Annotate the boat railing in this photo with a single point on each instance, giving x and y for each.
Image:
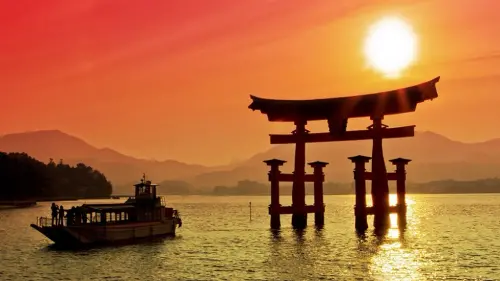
(43, 221)
(93, 220)
(46, 222)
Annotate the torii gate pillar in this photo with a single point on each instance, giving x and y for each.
(360, 214)
(299, 216)
(380, 184)
(319, 205)
(400, 164)
(274, 207)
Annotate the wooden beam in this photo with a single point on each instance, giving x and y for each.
(390, 176)
(289, 178)
(387, 133)
(285, 210)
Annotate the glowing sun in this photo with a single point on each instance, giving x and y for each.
(390, 46)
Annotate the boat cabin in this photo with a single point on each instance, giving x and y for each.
(106, 213)
(145, 195)
(146, 206)
(145, 190)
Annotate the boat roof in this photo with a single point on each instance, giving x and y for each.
(396, 101)
(145, 184)
(108, 207)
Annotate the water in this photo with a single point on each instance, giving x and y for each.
(449, 237)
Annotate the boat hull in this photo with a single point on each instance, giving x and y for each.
(92, 235)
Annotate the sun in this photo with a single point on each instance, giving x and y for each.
(390, 46)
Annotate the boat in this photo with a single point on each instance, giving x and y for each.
(142, 217)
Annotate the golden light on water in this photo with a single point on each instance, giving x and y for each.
(393, 199)
(390, 46)
(392, 260)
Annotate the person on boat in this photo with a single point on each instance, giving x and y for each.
(61, 215)
(84, 217)
(78, 215)
(54, 208)
(70, 217)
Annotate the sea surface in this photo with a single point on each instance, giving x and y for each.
(448, 237)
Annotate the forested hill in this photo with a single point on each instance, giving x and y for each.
(25, 178)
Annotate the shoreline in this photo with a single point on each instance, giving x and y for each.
(21, 202)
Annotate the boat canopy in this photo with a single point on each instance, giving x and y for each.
(146, 184)
(397, 101)
(107, 207)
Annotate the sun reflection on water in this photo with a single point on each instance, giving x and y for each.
(393, 200)
(448, 237)
(391, 260)
(394, 231)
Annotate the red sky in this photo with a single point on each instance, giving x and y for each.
(171, 79)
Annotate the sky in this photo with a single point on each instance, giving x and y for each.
(171, 79)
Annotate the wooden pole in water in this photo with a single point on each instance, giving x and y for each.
(275, 207)
(361, 223)
(400, 164)
(319, 206)
(299, 215)
(250, 207)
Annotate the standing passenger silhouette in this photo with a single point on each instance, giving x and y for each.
(53, 207)
(61, 215)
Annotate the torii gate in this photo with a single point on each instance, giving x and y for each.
(337, 111)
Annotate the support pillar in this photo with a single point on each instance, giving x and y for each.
(360, 161)
(299, 215)
(319, 206)
(380, 184)
(274, 207)
(400, 164)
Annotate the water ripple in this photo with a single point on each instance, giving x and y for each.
(448, 237)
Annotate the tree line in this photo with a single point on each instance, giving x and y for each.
(25, 178)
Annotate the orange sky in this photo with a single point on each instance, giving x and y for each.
(171, 79)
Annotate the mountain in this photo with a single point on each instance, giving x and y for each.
(118, 168)
(434, 157)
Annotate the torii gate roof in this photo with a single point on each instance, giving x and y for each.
(397, 101)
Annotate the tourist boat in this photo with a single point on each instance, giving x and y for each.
(142, 217)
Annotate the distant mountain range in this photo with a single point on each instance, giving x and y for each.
(434, 156)
(118, 168)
